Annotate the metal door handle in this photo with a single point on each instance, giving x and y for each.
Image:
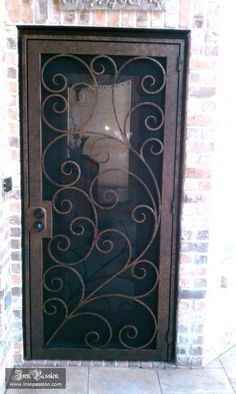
(39, 219)
(39, 213)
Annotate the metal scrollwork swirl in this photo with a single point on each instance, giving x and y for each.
(87, 235)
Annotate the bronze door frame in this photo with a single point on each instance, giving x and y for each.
(172, 44)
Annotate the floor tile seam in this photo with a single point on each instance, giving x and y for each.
(159, 381)
(234, 390)
(227, 376)
(208, 370)
(88, 380)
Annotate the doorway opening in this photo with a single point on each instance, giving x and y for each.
(102, 131)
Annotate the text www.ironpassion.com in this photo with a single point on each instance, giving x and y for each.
(34, 384)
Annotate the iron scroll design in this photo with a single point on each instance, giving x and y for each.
(69, 192)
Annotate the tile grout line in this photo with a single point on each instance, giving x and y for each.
(158, 378)
(227, 376)
(88, 379)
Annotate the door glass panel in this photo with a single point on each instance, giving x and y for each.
(102, 152)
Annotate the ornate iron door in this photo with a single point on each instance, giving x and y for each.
(102, 113)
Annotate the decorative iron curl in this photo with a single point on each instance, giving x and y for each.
(98, 68)
(142, 275)
(56, 289)
(134, 333)
(154, 151)
(142, 216)
(66, 167)
(147, 85)
(108, 245)
(91, 336)
(149, 119)
(131, 331)
(147, 79)
(59, 105)
(54, 308)
(94, 336)
(58, 241)
(63, 211)
(56, 77)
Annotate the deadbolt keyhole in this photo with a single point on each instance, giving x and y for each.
(39, 225)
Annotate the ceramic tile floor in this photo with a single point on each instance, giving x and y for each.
(217, 378)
